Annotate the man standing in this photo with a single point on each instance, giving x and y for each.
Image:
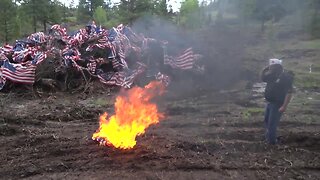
(278, 94)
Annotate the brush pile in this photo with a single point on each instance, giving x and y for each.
(115, 57)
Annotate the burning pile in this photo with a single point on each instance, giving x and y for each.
(116, 56)
(134, 113)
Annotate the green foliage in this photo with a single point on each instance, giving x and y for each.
(56, 11)
(16, 28)
(25, 22)
(161, 8)
(189, 14)
(101, 102)
(261, 10)
(94, 4)
(130, 10)
(249, 112)
(100, 16)
(83, 13)
(42, 12)
(268, 10)
(246, 8)
(313, 17)
(72, 20)
(31, 14)
(87, 9)
(189, 6)
(307, 80)
(7, 20)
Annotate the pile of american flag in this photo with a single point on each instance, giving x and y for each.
(106, 54)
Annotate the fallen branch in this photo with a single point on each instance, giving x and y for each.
(288, 161)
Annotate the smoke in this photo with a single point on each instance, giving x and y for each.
(228, 41)
(221, 47)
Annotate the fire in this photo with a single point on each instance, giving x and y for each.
(134, 113)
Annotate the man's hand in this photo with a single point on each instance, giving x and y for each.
(285, 103)
(282, 109)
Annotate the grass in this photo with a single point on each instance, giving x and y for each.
(71, 19)
(310, 44)
(307, 80)
(301, 63)
(102, 102)
(249, 112)
(300, 67)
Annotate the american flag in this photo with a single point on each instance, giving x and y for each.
(20, 56)
(79, 38)
(70, 54)
(2, 81)
(122, 59)
(103, 32)
(93, 29)
(3, 57)
(112, 78)
(39, 57)
(92, 65)
(18, 73)
(70, 58)
(129, 79)
(104, 45)
(38, 37)
(146, 42)
(185, 60)
(6, 49)
(117, 56)
(124, 79)
(58, 31)
(112, 34)
(133, 37)
(119, 42)
(104, 39)
(165, 79)
(115, 63)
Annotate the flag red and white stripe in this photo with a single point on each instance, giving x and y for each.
(116, 79)
(18, 73)
(185, 60)
(129, 80)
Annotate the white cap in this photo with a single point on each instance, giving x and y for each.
(275, 61)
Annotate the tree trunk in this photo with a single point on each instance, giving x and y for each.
(34, 24)
(34, 17)
(6, 31)
(91, 9)
(44, 26)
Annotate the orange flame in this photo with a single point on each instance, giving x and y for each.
(133, 114)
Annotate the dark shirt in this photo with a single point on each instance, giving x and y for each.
(278, 87)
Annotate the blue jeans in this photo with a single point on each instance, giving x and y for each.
(271, 119)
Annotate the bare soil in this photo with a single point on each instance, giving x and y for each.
(205, 135)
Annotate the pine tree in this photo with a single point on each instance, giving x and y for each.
(100, 16)
(83, 13)
(42, 11)
(189, 13)
(7, 18)
(130, 10)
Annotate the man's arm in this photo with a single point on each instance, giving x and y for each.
(264, 74)
(290, 91)
(284, 106)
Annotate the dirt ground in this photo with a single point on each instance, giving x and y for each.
(206, 135)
